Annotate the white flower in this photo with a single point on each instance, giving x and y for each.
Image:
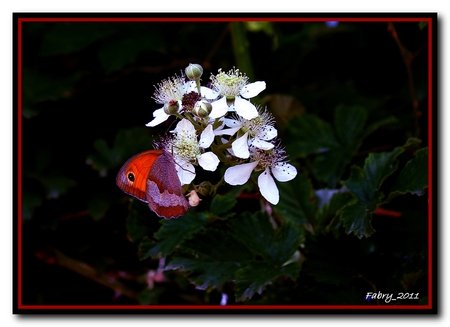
(254, 132)
(188, 151)
(272, 163)
(233, 86)
(169, 93)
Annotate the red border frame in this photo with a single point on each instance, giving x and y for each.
(217, 308)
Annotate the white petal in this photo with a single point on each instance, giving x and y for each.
(219, 108)
(232, 122)
(185, 127)
(263, 145)
(207, 137)
(245, 108)
(208, 161)
(267, 133)
(209, 93)
(239, 174)
(284, 172)
(267, 187)
(185, 171)
(160, 117)
(253, 89)
(227, 131)
(240, 147)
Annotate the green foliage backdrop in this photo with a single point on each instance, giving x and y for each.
(352, 114)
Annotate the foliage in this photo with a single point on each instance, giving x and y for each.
(353, 220)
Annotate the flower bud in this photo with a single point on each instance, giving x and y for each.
(194, 71)
(171, 107)
(194, 199)
(202, 108)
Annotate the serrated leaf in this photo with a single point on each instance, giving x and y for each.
(364, 182)
(254, 277)
(256, 232)
(205, 274)
(212, 258)
(172, 233)
(308, 134)
(297, 200)
(221, 204)
(414, 176)
(357, 217)
(333, 208)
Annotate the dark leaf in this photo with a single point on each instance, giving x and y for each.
(297, 200)
(254, 277)
(221, 204)
(414, 177)
(350, 122)
(172, 233)
(357, 217)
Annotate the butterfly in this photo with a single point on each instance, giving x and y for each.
(151, 177)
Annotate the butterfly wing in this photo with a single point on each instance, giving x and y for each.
(151, 177)
(164, 193)
(132, 177)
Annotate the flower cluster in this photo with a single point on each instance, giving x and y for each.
(219, 124)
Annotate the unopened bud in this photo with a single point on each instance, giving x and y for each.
(171, 107)
(202, 108)
(194, 199)
(194, 71)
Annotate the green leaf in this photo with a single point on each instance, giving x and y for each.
(256, 232)
(205, 273)
(357, 217)
(212, 258)
(414, 176)
(254, 277)
(350, 122)
(329, 166)
(364, 182)
(374, 126)
(333, 149)
(172, 233)
(297, 200)
(310, 134)
(221, 204)
(333, 208)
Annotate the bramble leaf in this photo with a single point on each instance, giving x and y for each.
(297, 200)
(172, 233)
(254, 277)
(414, 176)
